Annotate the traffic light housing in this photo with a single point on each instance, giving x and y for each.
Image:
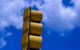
(32, 29)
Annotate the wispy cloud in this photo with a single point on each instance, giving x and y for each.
(56, 16)
(60, 18)
(2, 42)
(4, 35)
(11, 14)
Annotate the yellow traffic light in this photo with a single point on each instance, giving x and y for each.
(36, 28)
(32, 28)
(35, 42)
(36, 16)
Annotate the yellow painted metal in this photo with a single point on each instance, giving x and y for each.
(26, 27)
(35, 42)
(36, 28)
(24, 41)
(36, 15)
(26, 14)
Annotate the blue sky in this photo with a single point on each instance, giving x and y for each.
(61, 27)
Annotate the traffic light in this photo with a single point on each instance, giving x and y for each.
(32, 29)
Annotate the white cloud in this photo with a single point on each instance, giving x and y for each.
(77, 8)
(58, 17)
(2, 42)
(4, 35)
(62, 35)
(10, 15)
(7, 34)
